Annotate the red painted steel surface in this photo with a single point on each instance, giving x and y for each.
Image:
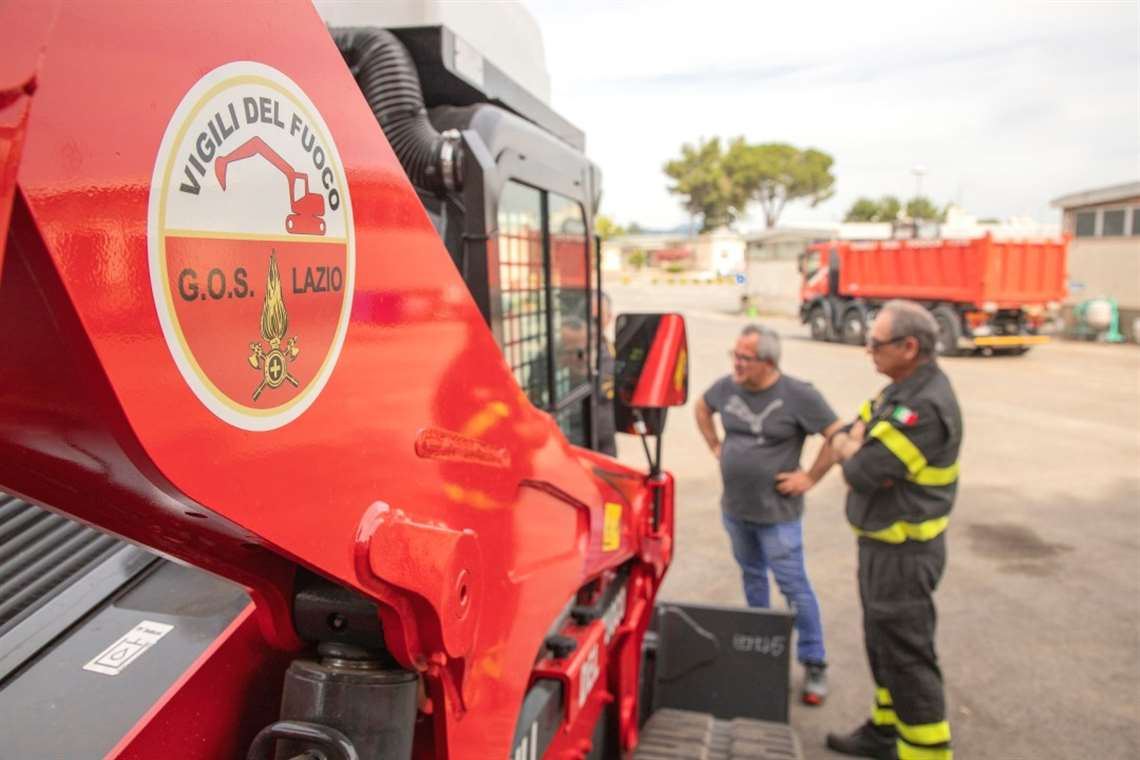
(470, 557)
(216, 708)
(605, 668)
(580, 672)
(1009, 273)
(664, 375)
(28, 24)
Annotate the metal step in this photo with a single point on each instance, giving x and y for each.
(42, 553)
(684, 735)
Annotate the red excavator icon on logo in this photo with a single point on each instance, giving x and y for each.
(308, 208)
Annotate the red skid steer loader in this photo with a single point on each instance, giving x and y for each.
(328, 488)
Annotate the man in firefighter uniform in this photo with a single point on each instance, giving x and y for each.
(900, 460)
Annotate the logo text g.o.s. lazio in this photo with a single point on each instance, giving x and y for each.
(251, 246)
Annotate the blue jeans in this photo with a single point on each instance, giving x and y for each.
(779, 546)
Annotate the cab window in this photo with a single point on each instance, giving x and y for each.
(809, 263)
(522, 289)
(543, 259)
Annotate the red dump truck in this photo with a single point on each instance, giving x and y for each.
(986, 294)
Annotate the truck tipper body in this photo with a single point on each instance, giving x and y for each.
(984, 293)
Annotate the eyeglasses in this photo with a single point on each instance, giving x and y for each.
(743, 358)
(874, 344)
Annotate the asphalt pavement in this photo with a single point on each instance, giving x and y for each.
(1039, 609)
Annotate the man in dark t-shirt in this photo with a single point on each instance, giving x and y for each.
(766, 417)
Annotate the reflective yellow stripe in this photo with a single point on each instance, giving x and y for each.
(899, 445)
(910, 752)
(936, 476)
(926, 733)
(1011, 340)
(865, 411)
(883, 716)
(917, 469)
(901, 531)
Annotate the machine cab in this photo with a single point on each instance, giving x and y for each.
(520, 230)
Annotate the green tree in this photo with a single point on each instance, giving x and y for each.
(889, 208)
(607, 228)
(636, 259)
(773, 174)
(635, 228)
(864, 209)
(699, 176)
(922, 207)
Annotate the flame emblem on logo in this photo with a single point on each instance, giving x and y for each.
(274, 361)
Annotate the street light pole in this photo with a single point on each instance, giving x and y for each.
(918, 172)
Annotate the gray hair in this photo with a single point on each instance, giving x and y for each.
(912, 320)
(768, 346)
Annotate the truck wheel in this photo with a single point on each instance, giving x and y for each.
(817, 318)
(855, 326)
(948, 331)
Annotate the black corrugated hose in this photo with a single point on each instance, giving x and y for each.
(387, 76)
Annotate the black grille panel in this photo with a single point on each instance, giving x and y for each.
(42, 553)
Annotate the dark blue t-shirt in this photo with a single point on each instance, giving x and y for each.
(764, 435)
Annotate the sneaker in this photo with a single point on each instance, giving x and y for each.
(815, 683)
(866, 741)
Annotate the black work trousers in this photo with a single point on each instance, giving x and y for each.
(896, 586)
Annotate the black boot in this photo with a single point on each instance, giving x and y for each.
(868, 740)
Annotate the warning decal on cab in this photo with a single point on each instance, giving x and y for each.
(251, 249)
(611, 527)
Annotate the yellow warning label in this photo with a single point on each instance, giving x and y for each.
(611, 528)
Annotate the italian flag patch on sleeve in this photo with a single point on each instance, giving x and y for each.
(904, 415)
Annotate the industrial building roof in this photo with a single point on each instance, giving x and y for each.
(1098, 196)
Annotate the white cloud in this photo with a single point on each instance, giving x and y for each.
(1008, 104)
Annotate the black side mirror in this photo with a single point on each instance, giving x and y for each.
(651, 370)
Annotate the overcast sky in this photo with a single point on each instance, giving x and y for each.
(1007, 104)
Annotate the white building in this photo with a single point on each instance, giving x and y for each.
(963, 226)
(1104, 254)
(720, 252)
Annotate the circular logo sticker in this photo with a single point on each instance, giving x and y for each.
(250, 238)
